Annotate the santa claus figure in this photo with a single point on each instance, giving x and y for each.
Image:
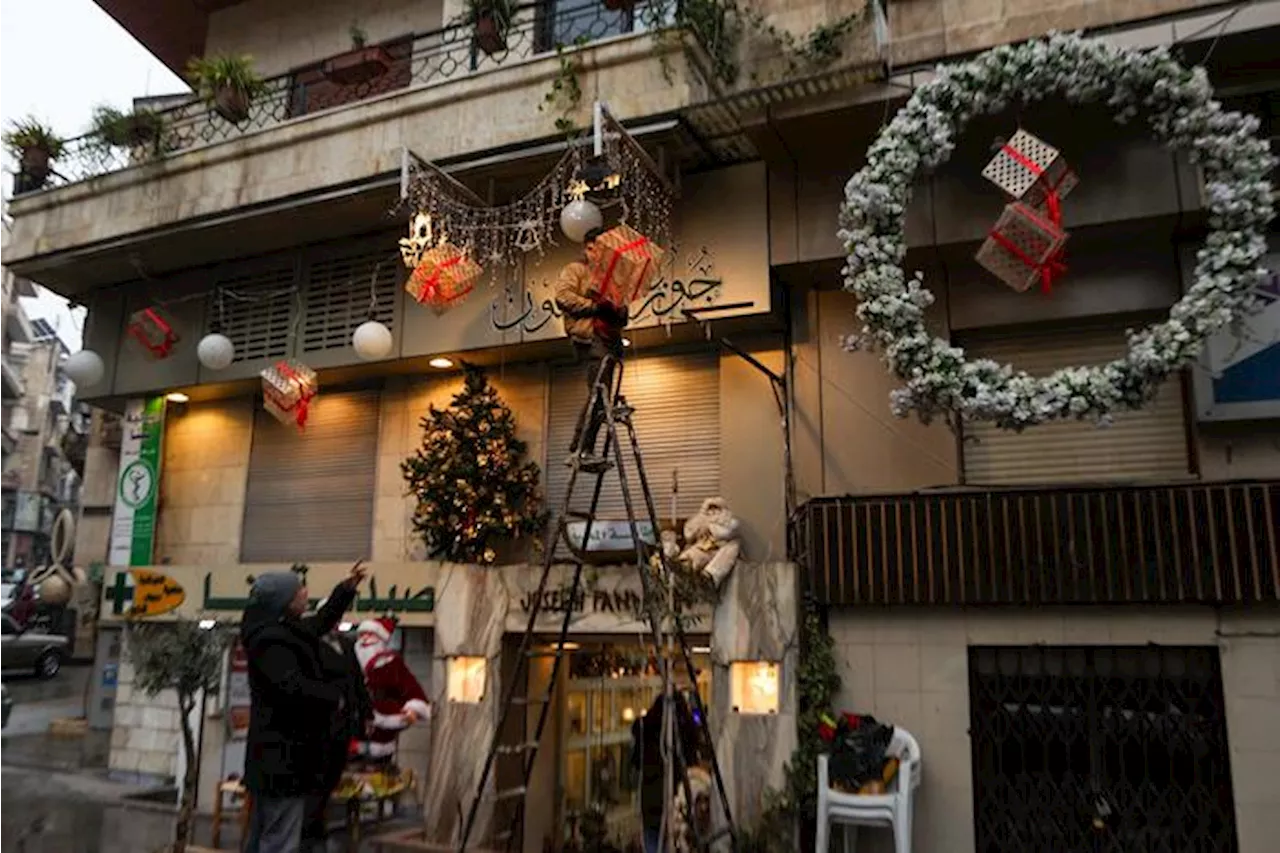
(398, 699)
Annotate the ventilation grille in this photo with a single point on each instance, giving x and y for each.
(257, 308)
(337, 295)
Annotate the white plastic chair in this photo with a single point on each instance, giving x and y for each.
(893, 809)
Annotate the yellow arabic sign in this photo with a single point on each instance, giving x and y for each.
(142, 593)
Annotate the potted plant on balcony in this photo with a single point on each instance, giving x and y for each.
(490, 20)
(228, 83)
(138, 129)
(358, 65)
(35, 146)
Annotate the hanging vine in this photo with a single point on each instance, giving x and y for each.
(721, 26)
(564, 96)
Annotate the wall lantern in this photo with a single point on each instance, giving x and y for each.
(755, 687)
(466, 676)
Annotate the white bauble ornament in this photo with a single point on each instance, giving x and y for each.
(216, 351)
(372, 341)
(85, 368)
(578, 217)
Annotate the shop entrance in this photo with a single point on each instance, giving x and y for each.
(585, 782)
(1100, 750)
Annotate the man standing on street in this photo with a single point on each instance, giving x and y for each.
(293, 704)
(594, 325)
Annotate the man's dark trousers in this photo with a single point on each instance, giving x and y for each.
(595, 355)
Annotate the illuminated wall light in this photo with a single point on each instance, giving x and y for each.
(755, 687)
(466, 679)
(177, 397)
(440, 363)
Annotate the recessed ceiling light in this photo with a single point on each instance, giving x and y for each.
(626, 342)
(440, 362)
(177, 397)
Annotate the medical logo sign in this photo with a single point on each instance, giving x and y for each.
(133, 524)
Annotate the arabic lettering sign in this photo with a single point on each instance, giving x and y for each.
(142, 594)
(133, 523)
(688, 284)
(406, 590)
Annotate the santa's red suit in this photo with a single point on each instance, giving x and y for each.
(398, 699)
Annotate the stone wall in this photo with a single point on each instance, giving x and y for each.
(202, 482)
(910, 668)
(285, 34)
(146, 738)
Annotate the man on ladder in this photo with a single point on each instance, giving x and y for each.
(594, 325)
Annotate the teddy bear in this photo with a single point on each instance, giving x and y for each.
(711, 539)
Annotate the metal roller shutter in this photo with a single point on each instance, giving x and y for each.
(1142, 445)
(310, 495)
(677, 420)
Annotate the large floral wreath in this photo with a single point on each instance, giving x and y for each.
(1178, 105)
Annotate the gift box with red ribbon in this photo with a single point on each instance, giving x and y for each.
(443, 277)
(1033, 172)
(153, 330)
(1025, 246)
(628, 267)
(288, 387)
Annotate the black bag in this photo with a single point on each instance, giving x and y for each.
(858, 754)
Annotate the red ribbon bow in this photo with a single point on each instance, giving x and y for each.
(162, 349)
(300, 408)
(1056, 263)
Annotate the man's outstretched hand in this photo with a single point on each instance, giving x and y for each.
(356, 575)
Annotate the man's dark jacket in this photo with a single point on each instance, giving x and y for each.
(646, 755)
(294, 705)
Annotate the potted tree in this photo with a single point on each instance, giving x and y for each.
(490, 20)
(228, 83)
(35, 146)
(187, 659)
(140, 128)
(358, 65)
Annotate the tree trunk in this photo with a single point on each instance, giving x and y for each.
(187, 793)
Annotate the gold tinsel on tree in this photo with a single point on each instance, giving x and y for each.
(473, 484)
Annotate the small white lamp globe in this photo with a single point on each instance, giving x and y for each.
(85, 368)
(372, 341)
(216, 351)
(578, 217)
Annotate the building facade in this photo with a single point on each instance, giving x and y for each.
(960, 575)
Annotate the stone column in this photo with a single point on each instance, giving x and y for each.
(756, 620)
(471, 612)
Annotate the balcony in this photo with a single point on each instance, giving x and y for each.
(1204, 543)
(13, 384)
(310, 144)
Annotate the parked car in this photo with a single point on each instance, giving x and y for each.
(6, 706)
(31, 649)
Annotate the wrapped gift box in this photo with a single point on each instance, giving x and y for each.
(153, 330)
(444, 276)
(628, 267)
(1032, 172)
(288, 387)
(1024, 247)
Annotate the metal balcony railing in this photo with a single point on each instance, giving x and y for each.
(1205, 542)
(438, 56)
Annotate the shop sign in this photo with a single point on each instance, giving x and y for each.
(610, 540)
(1240, 375)
(133, 523)
(142, 593)
(609, 601)
(195, 591)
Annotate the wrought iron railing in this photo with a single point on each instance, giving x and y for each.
(437, 56)
(1203, 542)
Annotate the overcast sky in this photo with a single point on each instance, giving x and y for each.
(58, 60)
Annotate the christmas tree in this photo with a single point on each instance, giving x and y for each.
(470, 477)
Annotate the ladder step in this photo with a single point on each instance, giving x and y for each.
(511, 793)
(517, 748)
(530, 700)
(578, 515)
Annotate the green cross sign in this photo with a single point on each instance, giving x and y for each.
(120, 593)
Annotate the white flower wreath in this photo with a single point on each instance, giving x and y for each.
(1178, 105)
